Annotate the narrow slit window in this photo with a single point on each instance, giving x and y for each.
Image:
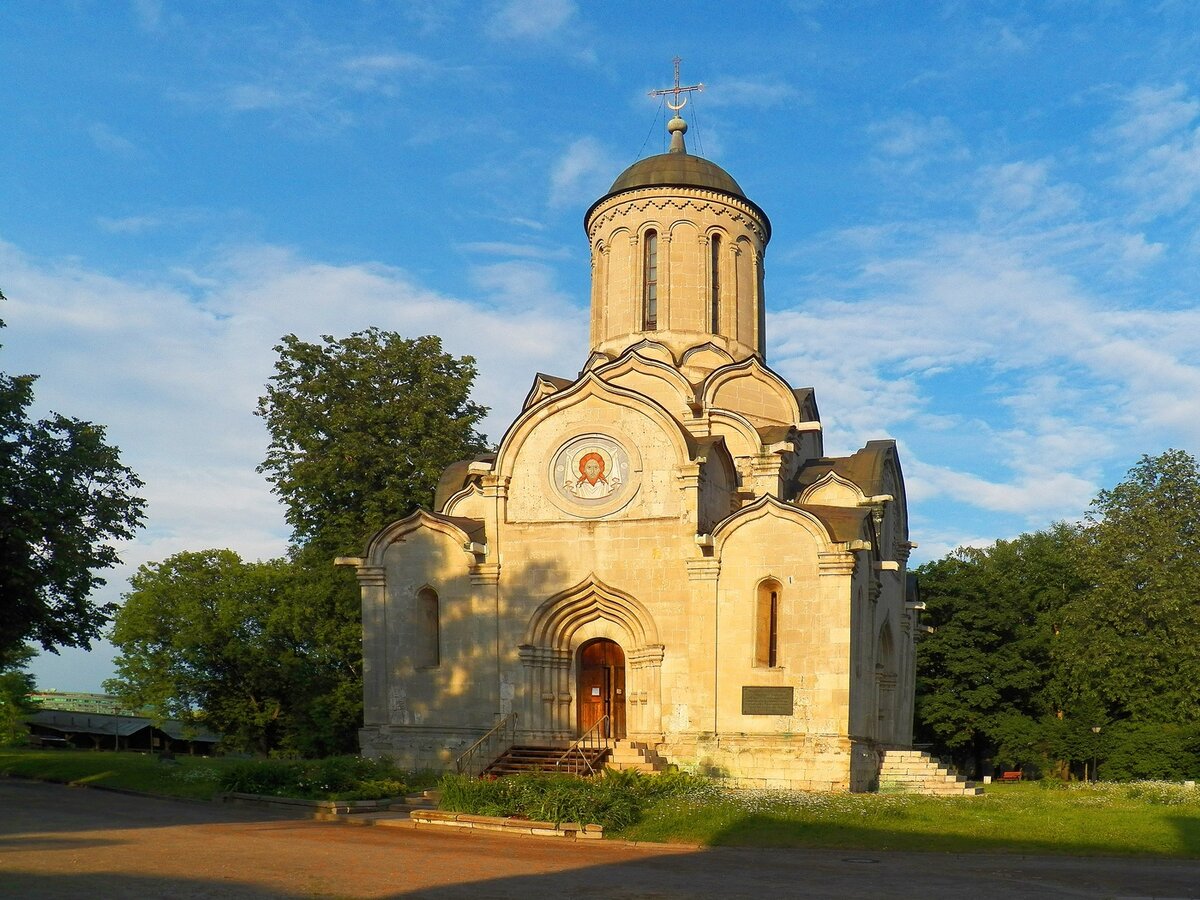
(715, 281)
(650, 283)
(766, 650)
(773, 632)
(427, 633)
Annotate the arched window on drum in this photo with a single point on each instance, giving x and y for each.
(714, 285)
(650, 282)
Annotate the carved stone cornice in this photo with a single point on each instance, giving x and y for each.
(485, 573)
(703, 568)
(650, 655)
(544, 656)
(836, 562)
(371, 575)
(681, 199)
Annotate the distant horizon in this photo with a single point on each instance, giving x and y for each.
(1007, 197)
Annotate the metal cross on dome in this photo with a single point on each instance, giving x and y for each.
(677, 90)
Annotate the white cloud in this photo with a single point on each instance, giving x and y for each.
(174, 367)
(527, 251)
(303, 82)
(531, 19)
(108, 140)
(917, 140)
(385, 72)
(581, 174)
(1025, 190)
(1149, 115)
(974, 349)
(1039, 495)
(1158, 146)
(149, 14)
(745, 92)
(129, 224)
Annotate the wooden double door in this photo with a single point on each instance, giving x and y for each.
(601, 667)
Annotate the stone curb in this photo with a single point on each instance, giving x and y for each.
(573, 831)
(338, 807)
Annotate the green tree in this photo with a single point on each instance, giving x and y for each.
(271, 653)
(1130, 640)
(200, 640)
(64, 498)
(984, 676)
(361, 428)
(16, 684)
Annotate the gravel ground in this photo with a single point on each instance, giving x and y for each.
(65, 842)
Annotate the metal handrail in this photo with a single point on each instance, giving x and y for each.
(507, 724)
(593, 738)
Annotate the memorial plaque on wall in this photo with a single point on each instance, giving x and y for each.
(766, 701)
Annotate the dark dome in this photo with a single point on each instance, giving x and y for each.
(676, 170)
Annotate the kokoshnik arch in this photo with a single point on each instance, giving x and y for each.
(660, 539)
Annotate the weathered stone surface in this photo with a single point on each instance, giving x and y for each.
(674, 502)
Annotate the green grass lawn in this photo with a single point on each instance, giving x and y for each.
(193, 777)
(1141, 819)
(1148, 819)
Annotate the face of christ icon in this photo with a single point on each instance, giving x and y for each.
(593, 482)
(591, 469)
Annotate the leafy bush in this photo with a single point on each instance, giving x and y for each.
(1149, 750)
(614, 799)
(333, 778)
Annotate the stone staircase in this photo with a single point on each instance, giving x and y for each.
(516, 760)
(916, 772)
(636, 756)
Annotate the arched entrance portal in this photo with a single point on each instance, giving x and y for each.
(601, 667)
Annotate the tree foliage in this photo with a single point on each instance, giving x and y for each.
(206, 636)
(64, 498)
(983, 674)
(361, 428)
(1078, 643)
(16, 684)
(1132, 641)
(271, 653)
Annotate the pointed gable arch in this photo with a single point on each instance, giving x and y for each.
(555, 622)
(651, 349)
(590, 387)
(467, 503)
(462, 532)
(832, 490)
(543, 386)
(597, 359)
(750, 388)
(766, 507)
(705, 358)
(652, 378)
(741, 437)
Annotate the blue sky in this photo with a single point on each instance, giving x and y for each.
(986, 237)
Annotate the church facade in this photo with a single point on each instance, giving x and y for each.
(658, 551)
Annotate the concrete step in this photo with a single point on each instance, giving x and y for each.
(636, 756)
(915, 771)
(517, 760)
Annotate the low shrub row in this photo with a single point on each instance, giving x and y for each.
(333, 778)
(613, 799)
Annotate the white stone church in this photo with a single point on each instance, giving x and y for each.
(659, 552)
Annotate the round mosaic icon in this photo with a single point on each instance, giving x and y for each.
(590, 470)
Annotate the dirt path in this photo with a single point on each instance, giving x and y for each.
(63, 842)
